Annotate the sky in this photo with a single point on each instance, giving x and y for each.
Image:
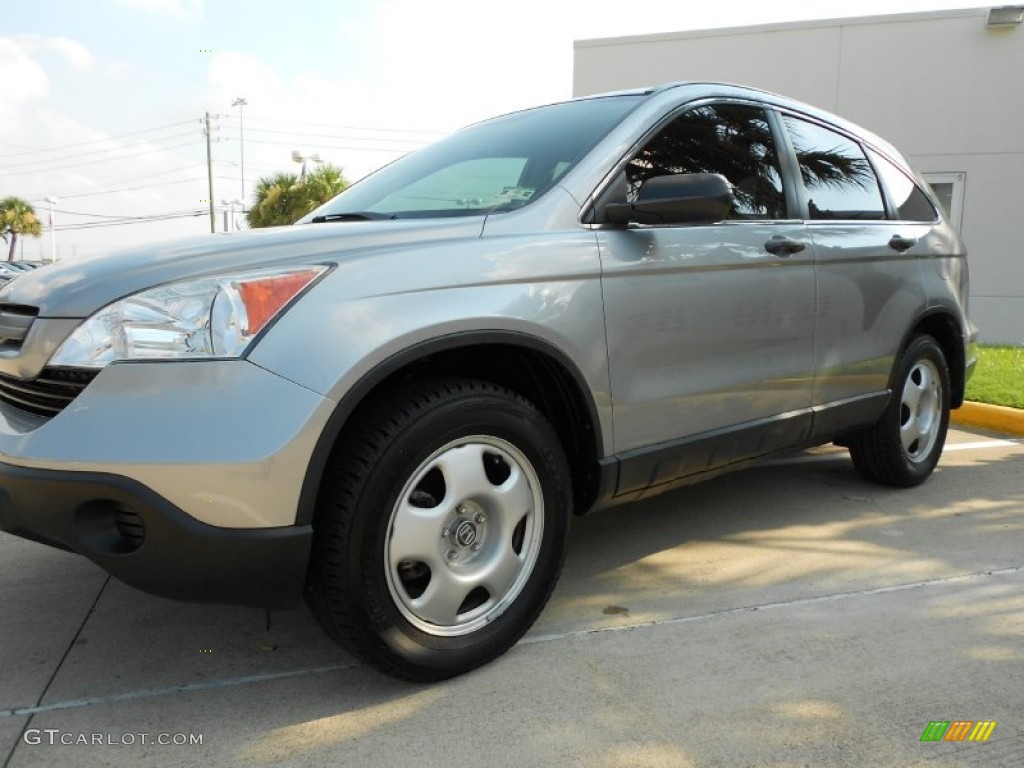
(102, 102)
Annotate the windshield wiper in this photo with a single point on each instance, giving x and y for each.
(353, 216)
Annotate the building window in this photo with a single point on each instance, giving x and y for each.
(949, 189)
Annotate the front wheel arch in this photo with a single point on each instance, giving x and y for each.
(543, 375)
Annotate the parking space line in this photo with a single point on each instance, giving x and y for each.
(148, 693)
(982, 444)
(56, 669)
(769, 606)
(978, 445)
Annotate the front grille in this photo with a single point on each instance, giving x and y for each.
(48, 394)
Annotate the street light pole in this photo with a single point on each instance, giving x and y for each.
(241, 103)
(53, 235)
(298, 157)
(209, 173)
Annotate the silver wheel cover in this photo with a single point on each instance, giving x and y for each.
(920, 411)
(464, 536)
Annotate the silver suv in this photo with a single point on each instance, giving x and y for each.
(396, 405)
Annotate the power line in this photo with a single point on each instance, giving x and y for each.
(118, 218)
(318, 145)
(347, 127)
(106, 185)
(127, 189)
(115, 159)
(58, 160)
(336, 136)
(138, 220)
(96, 141)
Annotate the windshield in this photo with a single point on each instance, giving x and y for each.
(498, 165)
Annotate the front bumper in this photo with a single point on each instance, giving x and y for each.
(225, 441)
(181, 478)
(148, 543)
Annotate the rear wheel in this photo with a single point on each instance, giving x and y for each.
(904, 446)
(441, 528)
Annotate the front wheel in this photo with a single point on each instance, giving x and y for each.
(441, 528)
(904, 446)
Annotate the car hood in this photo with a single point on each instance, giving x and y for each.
(77, 289)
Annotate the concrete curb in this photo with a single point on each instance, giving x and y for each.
(996, 418)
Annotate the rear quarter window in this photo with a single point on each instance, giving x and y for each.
(909, 200)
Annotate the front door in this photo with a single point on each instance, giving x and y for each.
(710, 327)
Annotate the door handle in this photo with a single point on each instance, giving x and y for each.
(783, 246)
(901, 244)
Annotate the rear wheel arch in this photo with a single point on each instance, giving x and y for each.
(527, 365)
(944, 328)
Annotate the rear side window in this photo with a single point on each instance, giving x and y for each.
(910, 202)
(733, 140)
(838, 178)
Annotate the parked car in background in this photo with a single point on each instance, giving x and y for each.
(10, 269)
(549, 312)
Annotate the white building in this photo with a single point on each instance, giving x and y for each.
(947, 88)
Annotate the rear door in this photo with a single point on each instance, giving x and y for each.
(869, 282)
(710, 327)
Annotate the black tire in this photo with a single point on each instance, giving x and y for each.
(440, 487)
(904, 446)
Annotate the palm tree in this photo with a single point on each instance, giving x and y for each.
(274, 201)
(284, 198)
(17, 217)
(321, 185)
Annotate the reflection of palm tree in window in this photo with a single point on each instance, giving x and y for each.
(734, 141)
(831, 169)
(839, 180)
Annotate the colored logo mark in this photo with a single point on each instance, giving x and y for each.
(958, 730)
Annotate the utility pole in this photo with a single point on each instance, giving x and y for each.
(53, 233)
(209, 173)
(241, 103)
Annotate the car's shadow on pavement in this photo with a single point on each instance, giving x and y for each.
(791, 530)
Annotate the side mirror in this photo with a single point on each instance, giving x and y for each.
(682, 198)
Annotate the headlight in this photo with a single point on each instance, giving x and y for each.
(209, 317)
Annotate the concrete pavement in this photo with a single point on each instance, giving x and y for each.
(789, 615)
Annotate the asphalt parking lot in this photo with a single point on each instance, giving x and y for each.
(789, 615)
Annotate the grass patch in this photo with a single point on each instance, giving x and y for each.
(999, 377)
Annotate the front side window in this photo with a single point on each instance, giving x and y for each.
(733, 140)
(838, 178)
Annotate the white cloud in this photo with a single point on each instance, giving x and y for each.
(77, 54)
(169, 7)
(24, 79)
